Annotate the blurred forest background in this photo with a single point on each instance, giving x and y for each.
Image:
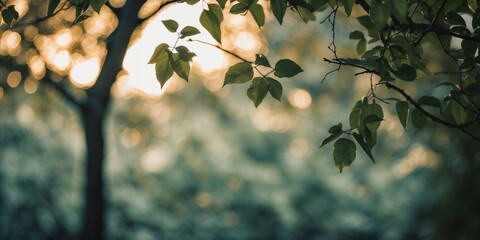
(198, 161)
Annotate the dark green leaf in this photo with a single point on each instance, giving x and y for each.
(184, 53)
(361, 46)
(455, 19)
(363, 145)
(403, 112)
(357, 35)
(429, 101)
(406, 73)
(398, 8)
(239, 8)
(158, 51)
(258, 90)
(379, 14)
(279, 7)
(287, 68)
(344, 153)
(370, 109)
(9, 14)
(354, 118)
(469, 48)
(171, 25)
(258, 15)
(239, 73)
(163, 67)
(307, 15)
(97, 4)
(335, 129)
(188, 31)
(275, 88)
(372, 119)
(472, 4)
(52, 5)
(348, 5)
(260, 59)
(192, 2)
(181, 67)
(459, 113)
(222, 3)
(330, 139)
(418, 119)
(211, 20)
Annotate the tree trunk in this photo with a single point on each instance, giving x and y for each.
(93, 114)
(94, 195)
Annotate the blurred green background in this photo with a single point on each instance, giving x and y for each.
(203, 163)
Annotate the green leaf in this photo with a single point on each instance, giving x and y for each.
(348, 5)
(370, 109)
(180, 66)
(188, 31)
(372, 119)
(406, 73)
(257, 90)
(361, 46)
(97, 4)
(275, 88)
(354, 118)
(455, 19)
(171, 25)
(418, 119)
(222, 3)
(363, 145)
(330, 139)
(459, 113)
(258, 15)
(279, 7)
(9, 14)
(192, 2)
(211, 20)
(344, 153)
(287, 68)
(184, 53)
(402, 112)
(163, 67)
(430, 101)
(52, 5)
(336, 129)
(260, 59)
(398, 8)
(239, 8)
(357, 35)
(469, 48)
(239, 73)
(307, 14)
(158, 51)
(379, 14)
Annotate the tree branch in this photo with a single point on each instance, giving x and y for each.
(434, 118)
(64, 92)
(222, 49)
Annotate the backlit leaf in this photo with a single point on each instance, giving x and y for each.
(258, 90)
(344, 153)
(418, 119)
(335, 129)
(158, 50)
(330, 139)
(239, 73)
(275, 88)
(163, 67)
(188, 31)
(211, 20)
(171, 25)
(403, 112)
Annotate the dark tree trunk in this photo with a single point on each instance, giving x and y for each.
(93, 114)
(94, 195)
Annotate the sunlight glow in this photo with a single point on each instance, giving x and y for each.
(85, 72)
(61, 60)
(155, 160)
(14, 78)
(246, 41)
(300, 98)
(417, 157)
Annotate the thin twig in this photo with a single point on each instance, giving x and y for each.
(222, 49)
